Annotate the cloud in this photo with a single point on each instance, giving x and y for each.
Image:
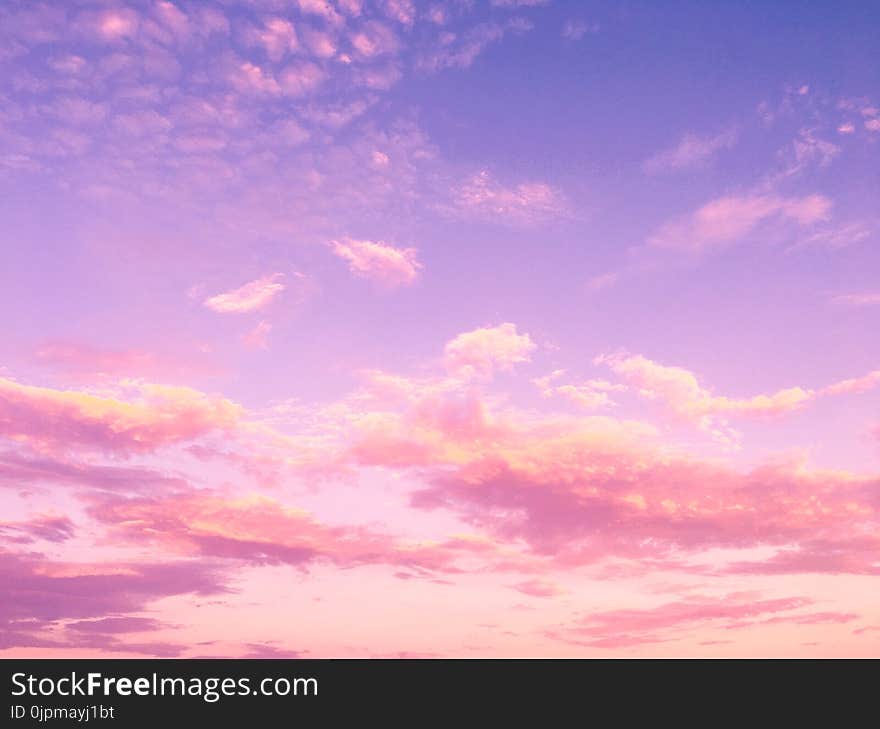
(488, 349)
(602, 281)
(586, 490)
(676, 620)
(260, 531)
(461, 50)
(277, 37)
(47, 527)
(85, 360)
(526, 204)
(27, 472)
(538, 588)
(854, 385)
(681, 390)
(374, 39)
(582, 498)
(866, 298)
(257, 338)
(591, 395)
(577, 29)
(691, 151)
(727, 219)
(37, 594)
(838, 237)
(519, 3)
(252, 296)
(379, 261)
(152, 417)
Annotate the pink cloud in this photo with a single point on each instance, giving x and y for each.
(46, 527)
(727, 219)
(538, 588)
(299, 78)
(854, 384)
(585, 490)
(38, 596)
(35, 472)
(528, 203)
(250, 297)
(675, 620)
(85, 360)
(154, 416)
(485, 350)
(258, 530)
(118, 23)
(277, 37)
(692, 151)
(576, 29)
(682, 390)
(374, 39)
(602, 281)
(258, 337)
(326, 11)
(591, 395)
(519, 3)
(460, 51)
(248, 77)
(379, 261)
(869, 298)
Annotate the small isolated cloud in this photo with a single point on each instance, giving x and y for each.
(867, 298)
(379, 261)
(257, 338)
(485, 350)
(602, 281)
(577, 29)
(691, 151)
(728, 218)
(528, 203)
(250, 297)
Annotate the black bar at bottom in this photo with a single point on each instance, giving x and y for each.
(180, 693)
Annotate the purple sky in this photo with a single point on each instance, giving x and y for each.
(550, 325)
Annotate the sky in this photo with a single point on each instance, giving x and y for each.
(460, 328)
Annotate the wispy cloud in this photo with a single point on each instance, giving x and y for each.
(692, 151)
(523, 204)
(577, 29)
(865, 298)
(250, 297)
(728, 219)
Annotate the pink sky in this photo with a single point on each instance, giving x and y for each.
(390, 328)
